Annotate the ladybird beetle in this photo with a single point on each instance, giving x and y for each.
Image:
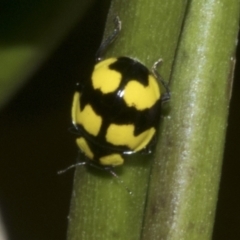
(116, 112)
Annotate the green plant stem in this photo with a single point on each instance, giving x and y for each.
(186, 172)
(29, 33)
(101, 208)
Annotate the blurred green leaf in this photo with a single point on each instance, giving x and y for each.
(30, 31)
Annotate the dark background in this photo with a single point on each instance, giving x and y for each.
(35, 143)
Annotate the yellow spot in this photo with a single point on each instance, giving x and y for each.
(124, 135)
(141, 97)
(87, 117)
(112, 160)
(83, 145)
(105, 79)
(75, 107)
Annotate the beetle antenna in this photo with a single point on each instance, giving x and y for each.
(110, 39)
(72, 166)
(108, 169)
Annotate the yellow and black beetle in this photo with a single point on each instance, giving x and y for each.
(117, 111)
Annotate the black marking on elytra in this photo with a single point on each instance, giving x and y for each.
(99, 146)
(130, 70)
